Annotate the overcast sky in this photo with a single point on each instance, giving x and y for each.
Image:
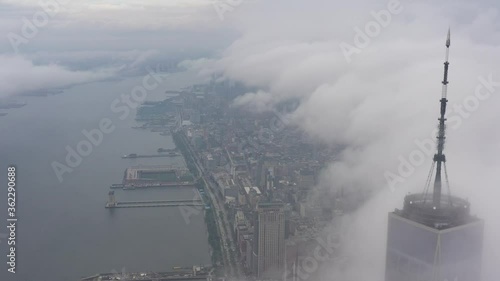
(378, 100)
(91, 40)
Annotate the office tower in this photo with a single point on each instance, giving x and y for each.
(434, 237)
(270, 240)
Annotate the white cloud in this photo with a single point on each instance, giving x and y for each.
(381, 102)
(135, 15)
(19, 75)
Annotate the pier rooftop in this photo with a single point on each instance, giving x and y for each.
(156, 175)
(185, 274)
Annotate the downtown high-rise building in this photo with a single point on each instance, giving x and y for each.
(434, 237)
(269, 233)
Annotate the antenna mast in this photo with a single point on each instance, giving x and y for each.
(439, 157)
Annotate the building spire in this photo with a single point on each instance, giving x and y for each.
(439, 157)
(448, 39)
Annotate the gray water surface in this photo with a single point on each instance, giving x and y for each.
(63, 230)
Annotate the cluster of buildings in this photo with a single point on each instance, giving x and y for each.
(264, 172)
(264, 175)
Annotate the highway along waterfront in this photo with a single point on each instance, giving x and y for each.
(232, 267)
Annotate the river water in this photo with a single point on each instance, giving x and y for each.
(63, 230)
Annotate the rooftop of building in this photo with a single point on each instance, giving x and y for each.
(306, 172)
(271, 205)
(254, 188)
(451, 212)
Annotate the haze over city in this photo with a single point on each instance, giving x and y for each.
(323, 112)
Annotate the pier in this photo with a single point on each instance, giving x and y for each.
(155, 176)
(148, 185)
(133, 156)
(197, 273)
(112, 203)
(149, 204)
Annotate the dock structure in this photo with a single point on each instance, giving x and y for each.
(134, 173)
(198, 273)
(157, 203)
(146, 185)
(156, 176)
(145, 277)
(133, 156)
(112, 203)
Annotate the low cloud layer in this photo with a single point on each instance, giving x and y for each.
(56, 43)
(19, 75)
(380, 100)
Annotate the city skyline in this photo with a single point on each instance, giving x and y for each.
(149, 137)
